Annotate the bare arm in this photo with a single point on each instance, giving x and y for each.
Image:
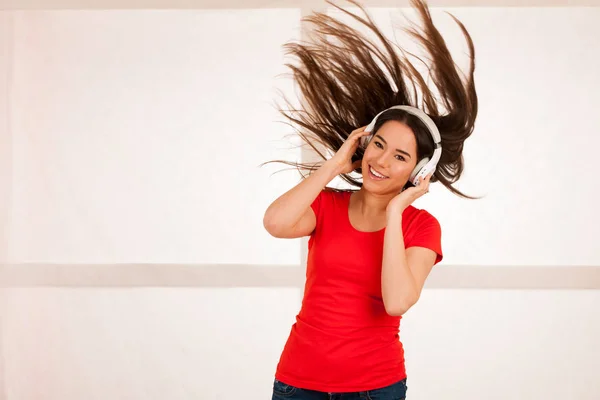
(291, 215)
(403, 271)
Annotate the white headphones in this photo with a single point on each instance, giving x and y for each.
(426, 165)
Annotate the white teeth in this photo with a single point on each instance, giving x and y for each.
(377, 174)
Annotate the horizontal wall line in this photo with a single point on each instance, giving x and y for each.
(238, 275)
(249, 4)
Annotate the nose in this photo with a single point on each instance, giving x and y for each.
(382, 160)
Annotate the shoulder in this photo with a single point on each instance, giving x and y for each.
(333, 196)
(329, 199)
(422, 229)
(416, 218)
(333, 192)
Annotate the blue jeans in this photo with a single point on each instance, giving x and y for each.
(396, 391)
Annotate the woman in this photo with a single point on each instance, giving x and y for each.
(370, 250)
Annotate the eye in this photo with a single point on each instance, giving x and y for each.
(400, 158)
(378, 144)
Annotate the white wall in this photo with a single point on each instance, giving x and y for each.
(117, 120)
(5, 142)
(5, 163)
(138, 136)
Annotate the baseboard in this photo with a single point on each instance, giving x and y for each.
(238, 275)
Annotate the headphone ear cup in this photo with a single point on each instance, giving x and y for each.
(365, 140)
(417, 169)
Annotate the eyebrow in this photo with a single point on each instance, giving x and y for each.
(398, 150)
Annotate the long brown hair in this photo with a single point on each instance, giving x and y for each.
(345, 79)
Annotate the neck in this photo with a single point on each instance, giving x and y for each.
(371, 204)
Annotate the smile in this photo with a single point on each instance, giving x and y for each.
(376, 175)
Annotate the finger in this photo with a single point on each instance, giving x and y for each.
(356, 136)
(361, 129)
(423, 185)
(359, 132)
(427, 182)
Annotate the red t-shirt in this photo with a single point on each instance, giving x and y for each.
(343, 339)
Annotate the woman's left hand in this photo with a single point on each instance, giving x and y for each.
(399, 203)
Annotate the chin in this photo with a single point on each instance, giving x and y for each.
(379, 188)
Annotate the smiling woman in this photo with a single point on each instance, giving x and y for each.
(370, 250)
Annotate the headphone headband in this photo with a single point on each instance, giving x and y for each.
(433, 130)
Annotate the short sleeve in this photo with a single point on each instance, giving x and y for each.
(321, 206)
(316, 204)
(427, 234)
(320, 203)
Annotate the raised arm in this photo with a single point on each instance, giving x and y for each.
(291, 215)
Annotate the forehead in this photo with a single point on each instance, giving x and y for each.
(398, 135)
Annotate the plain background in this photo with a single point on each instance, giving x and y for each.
(134, 137)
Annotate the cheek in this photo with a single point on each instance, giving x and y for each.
(402, 171)
(364, 162)
(401, 168)
(369, 156)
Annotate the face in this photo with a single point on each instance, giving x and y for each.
(389, 158)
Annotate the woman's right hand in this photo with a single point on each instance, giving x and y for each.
(343, 157)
